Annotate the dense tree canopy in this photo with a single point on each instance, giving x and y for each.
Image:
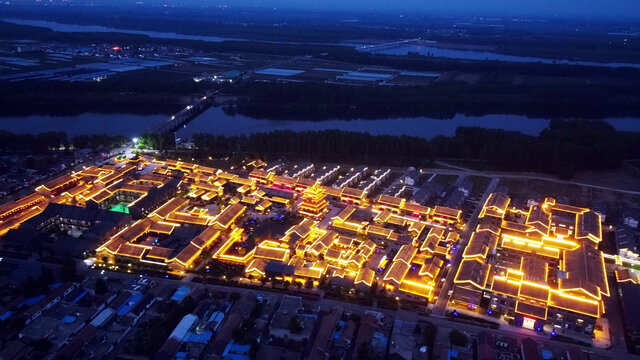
(458, 338)
(563, 148)
(495, 94)
(45, 141)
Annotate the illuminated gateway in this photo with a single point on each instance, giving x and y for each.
(537, 266)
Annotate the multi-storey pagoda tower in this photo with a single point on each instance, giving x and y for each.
(313, 203)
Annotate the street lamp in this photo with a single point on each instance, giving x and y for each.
(135, 141)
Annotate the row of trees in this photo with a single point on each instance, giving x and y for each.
(152, 333)
(139, 92)
(40, 285)
(329, 146)
(563, 148)
(43, 142)
(496, 94)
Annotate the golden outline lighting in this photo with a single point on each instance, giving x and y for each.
(560, 268)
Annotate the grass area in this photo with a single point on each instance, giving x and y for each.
(480, 183)
(122, 207)
(446, 180)
(612, 202)
(624, 178)
(630, 266)
(520, 189)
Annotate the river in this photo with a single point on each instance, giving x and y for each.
(400, 48)
(215, 121)
(468, 54)
(72, 28)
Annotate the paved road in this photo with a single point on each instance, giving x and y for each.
(614, 313)
(443, 296)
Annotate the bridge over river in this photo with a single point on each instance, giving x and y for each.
(184, 116)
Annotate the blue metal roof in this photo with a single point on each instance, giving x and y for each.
(238, 357)
(79, 297)
(337, 333)
(6, 315)
(199, 338)
(279, 72)
(232, 73)
(235, 351)
(126, 307)
(180, 293)
(32, 300)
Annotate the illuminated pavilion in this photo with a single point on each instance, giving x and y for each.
(314, 204)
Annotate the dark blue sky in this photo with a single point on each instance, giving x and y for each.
(595, 9)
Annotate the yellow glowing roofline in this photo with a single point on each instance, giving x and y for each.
(238, 259)
(606, 280)
(117, 235)
(274, 248)
(546, 310)
(136, 200)
(520, 240)
(167, 223)
(503, 278)
(422, 285)
(569, 296)
(486, 277)
(533, 284)
(225, 246)
(561, 241)
(597, 296)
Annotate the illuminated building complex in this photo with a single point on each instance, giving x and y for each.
(438, 214)
(406, 245)
(539, 265)
(181, 213)
(174, 235)
(404, 254)
(313, 203)
(16, 212)
(413, 272)
(91, 184)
